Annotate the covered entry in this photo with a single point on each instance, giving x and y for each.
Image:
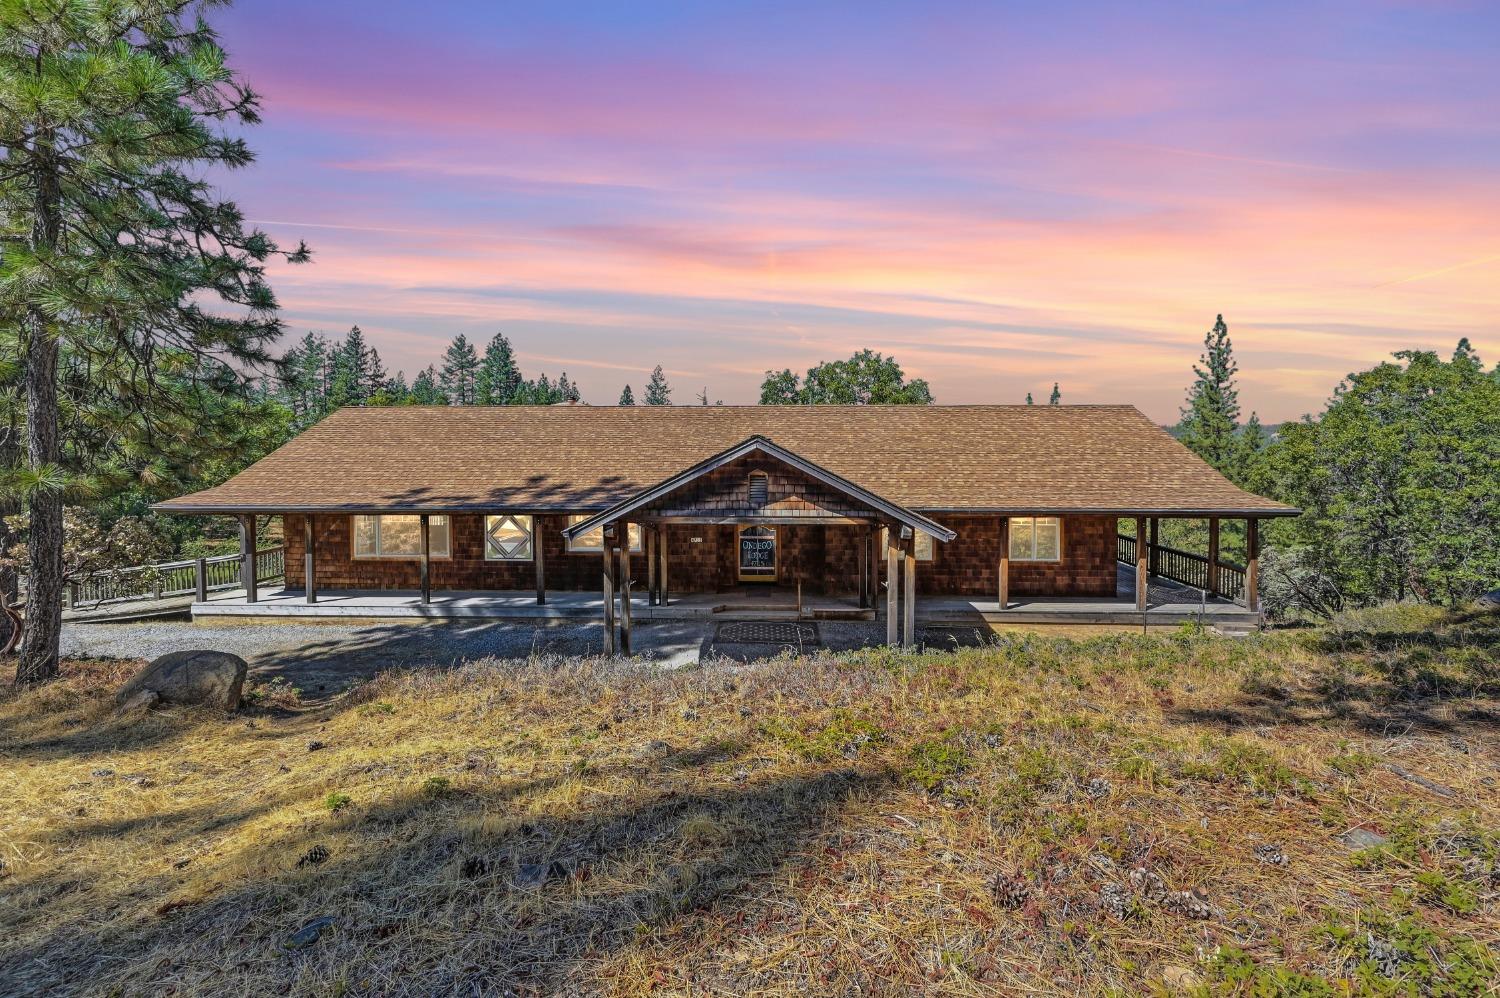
(770, 501)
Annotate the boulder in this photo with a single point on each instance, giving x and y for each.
(1490, 601)
(212, 678)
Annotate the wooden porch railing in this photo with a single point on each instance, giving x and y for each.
(171, 578)
(1186, 567)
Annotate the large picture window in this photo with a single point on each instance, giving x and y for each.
(399, 536)
(1035, 538)
(594, 539)
(508, 538)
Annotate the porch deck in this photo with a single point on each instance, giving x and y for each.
(1168, 604)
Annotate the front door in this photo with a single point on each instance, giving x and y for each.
(757, 554)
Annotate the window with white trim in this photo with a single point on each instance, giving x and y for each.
(388, 536)
(508, 537)
(594, 539)
(1035, 538)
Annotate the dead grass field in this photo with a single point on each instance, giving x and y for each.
(1118, 815)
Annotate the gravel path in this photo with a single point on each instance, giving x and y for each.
(326, 656)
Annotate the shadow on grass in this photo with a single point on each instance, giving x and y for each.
(452, 894)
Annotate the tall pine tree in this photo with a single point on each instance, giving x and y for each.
(498, 377)
(1056, 395)
(460, 371)
(658, 392)
(1211, 416)
(113, 253)
(627, 397)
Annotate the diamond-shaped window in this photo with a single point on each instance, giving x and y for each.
(507, 538)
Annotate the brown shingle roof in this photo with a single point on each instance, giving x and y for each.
(1004, 458)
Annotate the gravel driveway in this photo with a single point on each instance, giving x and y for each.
(327, 655)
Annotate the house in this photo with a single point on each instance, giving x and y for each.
(995, 511)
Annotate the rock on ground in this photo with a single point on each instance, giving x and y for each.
(211, 678)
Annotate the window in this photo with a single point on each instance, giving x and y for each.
(507, 538)
(594, 539)
(399, 536)
(1035, 538)
(922, 550)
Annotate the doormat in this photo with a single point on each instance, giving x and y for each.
(767, 632)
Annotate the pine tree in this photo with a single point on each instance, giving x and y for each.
(424, 388)
(1029, 399)
(566, 390)
(658, 392)
(460, 368)
(1252, 440)
(627, 397)
(115, 252)
(375, 380)
(1211, 416)
(355, 368)
(498, 377)
(1056, 395)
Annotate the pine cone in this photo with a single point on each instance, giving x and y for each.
(1010, 892)
(1187, 904)
(1147, 884)
(1116, 900)
(313, 856)
(1270, 852)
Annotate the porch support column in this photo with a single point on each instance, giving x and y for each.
(247, 557)
(1155, 546)
(1004, 593)
(1252, 564)
(863, 540)
(649, 540)
(892, 586)
(609, 589)
(1213, 556)
(909, 604)
(624, 588)
(426, 565)
(309, 559)
(538, 557)
(664, 592)
(1142, 582)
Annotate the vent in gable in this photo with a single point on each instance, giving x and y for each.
(759, 488)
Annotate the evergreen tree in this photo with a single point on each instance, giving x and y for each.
(658, 392)
(498, 377)
(354, 367)
(627, 397)
(1252, 441)
(425, 390)
(1056, 395)
(566, 390)
(1029, 399)
(460, 369)
(302, 380)
(375, 380)
(1211, 417)
(113, 253)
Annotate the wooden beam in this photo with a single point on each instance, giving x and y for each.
(664, 592)
(624, 588)
(1142, 579)
(1155, 546)
(247, 557)
(309, 559)
(909, 603)
(1213, 556)
(863, 541)
(1252, 564)
(426, 564)
(649, 540)
(892, 586)
(1004, 593)
(608, 590)
(200, 580)
(538, 556)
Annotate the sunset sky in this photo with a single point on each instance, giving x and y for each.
(1000, 195)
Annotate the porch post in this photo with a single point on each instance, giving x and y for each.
(625, 589)
(1252, 564)
(200, 580)
(1155, 546)
(649, 540)
(892, 586)
(537, 556)
(1004, 594)
(909, 606)
(863, 540)
(426, 560)
(247, 557)
(309, 582)
(664, 592)
(1213, 556)
(1142, 582)
(609, 590)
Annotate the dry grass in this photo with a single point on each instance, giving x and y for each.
(1042, 816)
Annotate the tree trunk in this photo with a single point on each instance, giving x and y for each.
(44, 559)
